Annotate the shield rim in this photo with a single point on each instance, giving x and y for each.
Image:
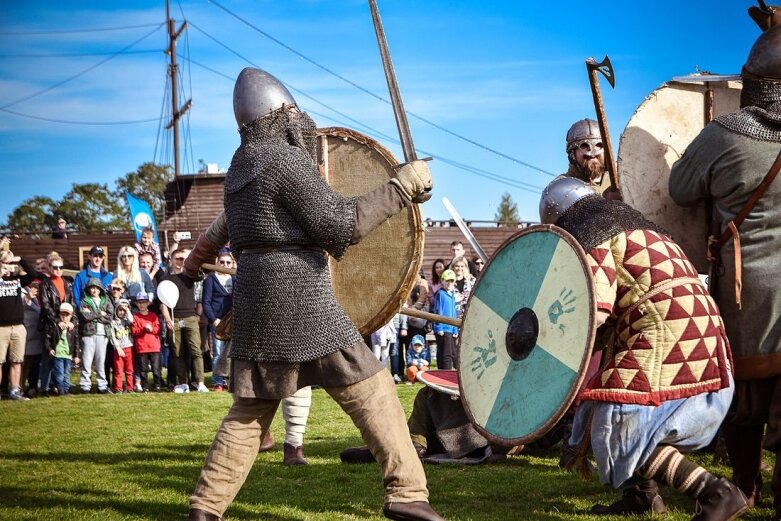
(396, 300)
(587, 352)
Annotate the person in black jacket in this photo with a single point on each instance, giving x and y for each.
(15, 273)
(54, 290)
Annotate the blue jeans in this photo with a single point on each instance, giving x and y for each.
(62, 374)
(217, 348)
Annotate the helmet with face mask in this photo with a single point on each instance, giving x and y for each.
(584, 135)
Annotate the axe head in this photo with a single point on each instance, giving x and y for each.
(605, 67)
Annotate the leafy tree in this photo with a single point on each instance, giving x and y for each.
(507, 212)
(93, 207)
(37, 214)
(147, 183)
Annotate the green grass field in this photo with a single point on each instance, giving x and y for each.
(128, 457)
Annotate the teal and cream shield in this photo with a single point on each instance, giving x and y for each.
(526, 338)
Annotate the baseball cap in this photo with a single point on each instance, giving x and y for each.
(418, 339)
(96, 250)
(142, 296)
(448, 275)
(65, 306)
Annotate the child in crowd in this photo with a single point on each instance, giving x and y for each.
(96, 313)
(445, 305)
(121, 337)
(148, 245)
(146, 335)
(418, 358)
(63, 348)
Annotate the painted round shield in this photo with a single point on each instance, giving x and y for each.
(655, 138)
(442, 380)
(526, 339)
(375, 276)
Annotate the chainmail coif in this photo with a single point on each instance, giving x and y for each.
(760, 117)
(594, 219)
(276, 203)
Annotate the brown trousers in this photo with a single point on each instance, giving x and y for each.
(372, 405)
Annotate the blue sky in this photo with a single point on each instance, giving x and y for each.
(507, 75)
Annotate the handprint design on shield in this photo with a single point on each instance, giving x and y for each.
(486, 356)
(562, 305)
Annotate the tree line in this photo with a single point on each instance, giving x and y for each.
(94, 206)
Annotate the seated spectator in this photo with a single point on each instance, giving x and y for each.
(60, 231)
(418, 358)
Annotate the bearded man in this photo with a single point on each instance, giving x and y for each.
(726, 163)
(665, 384)
(289, 331)
(586, 155)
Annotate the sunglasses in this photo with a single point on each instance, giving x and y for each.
(117, 289)
(126, 256)
(98, 255)
(58, 267)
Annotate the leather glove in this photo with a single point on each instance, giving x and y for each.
(612, 194)
(414, 180)
(204, 251)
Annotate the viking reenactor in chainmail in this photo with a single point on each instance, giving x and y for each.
(586, 154)
(288, 329)
(665, 384)
(726, 163)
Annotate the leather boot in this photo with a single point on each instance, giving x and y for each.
(294, 455)
(199, 515)
(744, 446)
(266, 442)
(415, 511)
(720, 500)
(640, 498)
(357, 455)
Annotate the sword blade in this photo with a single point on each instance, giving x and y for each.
(393, 87)
(464, 229)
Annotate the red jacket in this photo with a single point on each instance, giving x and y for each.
(146, 341)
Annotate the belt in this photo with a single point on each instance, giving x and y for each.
(271, 249)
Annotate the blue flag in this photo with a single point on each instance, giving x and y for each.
(141, 215)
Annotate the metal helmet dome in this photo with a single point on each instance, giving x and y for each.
(560, 195)
(256, 94)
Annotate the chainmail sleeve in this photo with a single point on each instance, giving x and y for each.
(327, 217)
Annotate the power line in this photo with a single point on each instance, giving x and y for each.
(378, 97)
(69, 122)
(85, 71)
(514, 183)
(76, 54)
(71, 31)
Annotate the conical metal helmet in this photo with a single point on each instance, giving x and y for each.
(560, 195)
(764, 59)
(257, 93)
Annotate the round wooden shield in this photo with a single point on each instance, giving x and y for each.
(655, 137)
(442, 380)
(526, 339)
(375, 276)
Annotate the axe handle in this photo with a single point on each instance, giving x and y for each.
(431, 317)
(599, 106)
(218, 269)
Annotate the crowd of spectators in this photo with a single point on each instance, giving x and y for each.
(445, 291)
(109, 327)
